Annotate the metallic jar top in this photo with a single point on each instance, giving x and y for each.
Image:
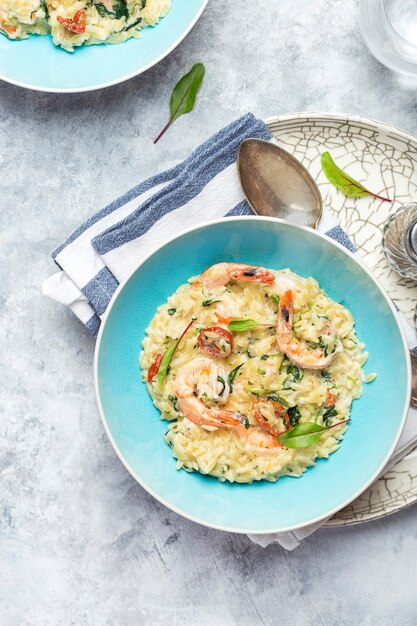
(399, 240)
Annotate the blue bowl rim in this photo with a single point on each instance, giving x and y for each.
(179, 511)
(116, 81)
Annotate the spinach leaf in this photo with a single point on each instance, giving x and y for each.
(343, 181)
(328, 415)
(133, 24)
(168, 354)
(305, 435)
(173, 400)
(241, 326)
(184, 95)
(209, 302)
(221, 380)
(232, 376)
(296, 373)
(120, 9)
(102, 10)
(276, 398)
(294, 414)
(326, 375)
(45, 9)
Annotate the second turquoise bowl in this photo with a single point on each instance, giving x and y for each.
(36, 63)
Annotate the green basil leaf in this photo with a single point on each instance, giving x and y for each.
(305, 434)
(241, 326)
(166, 360)
(232, 376)
(184, 95)
(172, 311)
(168, 354)
(326, 375)
(275, 298)
(302, 435)
(343, 181)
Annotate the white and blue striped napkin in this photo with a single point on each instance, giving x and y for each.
(106, 248)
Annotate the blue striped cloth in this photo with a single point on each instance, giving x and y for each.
(106, 248)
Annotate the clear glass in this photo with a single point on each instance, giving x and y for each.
(399, 240)
(389, 28)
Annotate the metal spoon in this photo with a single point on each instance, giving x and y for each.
(276, 184)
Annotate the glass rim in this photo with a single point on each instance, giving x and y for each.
(394, 30)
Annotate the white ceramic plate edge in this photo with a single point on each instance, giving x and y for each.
(341, 117)
(405, 465)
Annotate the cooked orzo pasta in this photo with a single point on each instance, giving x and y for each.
(242, 361)
(80, 22)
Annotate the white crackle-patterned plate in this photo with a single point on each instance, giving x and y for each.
(385, 159)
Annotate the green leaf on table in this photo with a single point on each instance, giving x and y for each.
(343, 181)
(305, 435)
(184, 95)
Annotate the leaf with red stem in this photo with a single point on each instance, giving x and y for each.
(345, 183)
(184, 95)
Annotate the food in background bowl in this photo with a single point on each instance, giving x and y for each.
(74, 23)
(256, 369)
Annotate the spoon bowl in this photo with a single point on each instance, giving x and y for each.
(276, 184)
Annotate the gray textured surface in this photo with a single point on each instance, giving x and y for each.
(80, 542)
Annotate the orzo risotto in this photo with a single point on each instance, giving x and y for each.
(80, 22)
(255, 369)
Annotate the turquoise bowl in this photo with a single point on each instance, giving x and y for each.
(136, 430)
(36, 63)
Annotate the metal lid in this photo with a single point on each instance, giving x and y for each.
(411, 240)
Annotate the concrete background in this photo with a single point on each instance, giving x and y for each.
(80, 542)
